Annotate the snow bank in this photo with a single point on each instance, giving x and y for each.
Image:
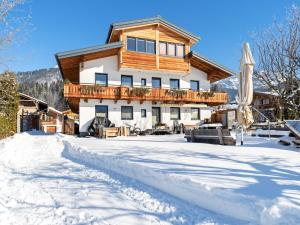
(25, 150)
(221, 201)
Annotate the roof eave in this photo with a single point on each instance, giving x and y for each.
(149, 21)
(82, 51)
(211, 62)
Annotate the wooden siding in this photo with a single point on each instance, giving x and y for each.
(170, 36)
(155, 94)
(173, 64)
(141, 32)
(138, 60)
(145, 61)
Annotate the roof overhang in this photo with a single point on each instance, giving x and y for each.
(151, 21)
(69, 61)
(42, 106)
(214, 70)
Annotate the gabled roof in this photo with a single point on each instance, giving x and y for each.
(151, 20)
(88, 50)
(214, 70)
(32, 98)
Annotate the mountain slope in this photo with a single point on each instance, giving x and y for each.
(41, 76)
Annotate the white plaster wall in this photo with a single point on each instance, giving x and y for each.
(87, 114)
(109, 65)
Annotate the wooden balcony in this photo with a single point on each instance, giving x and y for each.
(88, 91)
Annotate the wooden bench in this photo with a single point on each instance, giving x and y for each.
(109, 132)
(211, 136)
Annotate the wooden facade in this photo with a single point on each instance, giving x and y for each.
(146, 61)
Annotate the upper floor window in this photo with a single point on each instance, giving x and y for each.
(171, 49)
(140, 45)
(126, 80)
(101, 79)
(156, 82)
(143, 82)
(174, 83)
(163, 48)
(131, 44)
(194, 85)
(179, 50)
(150, 46)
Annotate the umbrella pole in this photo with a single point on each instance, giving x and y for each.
(242, 139)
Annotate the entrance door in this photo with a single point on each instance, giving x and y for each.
(155, 116)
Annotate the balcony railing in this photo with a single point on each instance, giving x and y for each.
(88, 91)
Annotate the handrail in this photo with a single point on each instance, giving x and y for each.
(153, 94)
(139, 86)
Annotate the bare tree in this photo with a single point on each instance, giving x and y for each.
(13, 20)
(278, 68)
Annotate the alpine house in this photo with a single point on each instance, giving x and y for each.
(145, 74)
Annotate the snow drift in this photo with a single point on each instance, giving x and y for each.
(226, 202)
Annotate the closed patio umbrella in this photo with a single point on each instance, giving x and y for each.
(245, 93)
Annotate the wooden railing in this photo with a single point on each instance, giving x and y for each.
(88, 91)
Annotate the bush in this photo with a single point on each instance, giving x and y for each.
(9, 100)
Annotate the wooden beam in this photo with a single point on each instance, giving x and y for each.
(157, 46)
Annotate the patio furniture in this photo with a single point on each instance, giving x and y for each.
(211, 136)
(161, 129)
(105, 132)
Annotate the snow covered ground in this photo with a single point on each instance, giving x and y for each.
(258, 182)
(46, 180)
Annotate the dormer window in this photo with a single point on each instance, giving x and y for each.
(131, 44)
(171, 49)
(140, 45)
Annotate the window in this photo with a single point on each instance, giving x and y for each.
(179, 50)
(266, 101)
(101, 111)
(163, 48)
(174, 83)
(143, 113)
(143, 82)
(126, 81)
(194, 85)
(171, 49)
(141, 45)
(150, 46)
(195, 113)
(126, 113)
(175, 113)
(131, 44)
(156, 82)
(101, 79)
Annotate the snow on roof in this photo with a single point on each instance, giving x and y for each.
(266, 93)
(54, 110)
(32, 98)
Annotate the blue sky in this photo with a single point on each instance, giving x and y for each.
(60, 25)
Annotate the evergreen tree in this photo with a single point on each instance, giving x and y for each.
(9, 100)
